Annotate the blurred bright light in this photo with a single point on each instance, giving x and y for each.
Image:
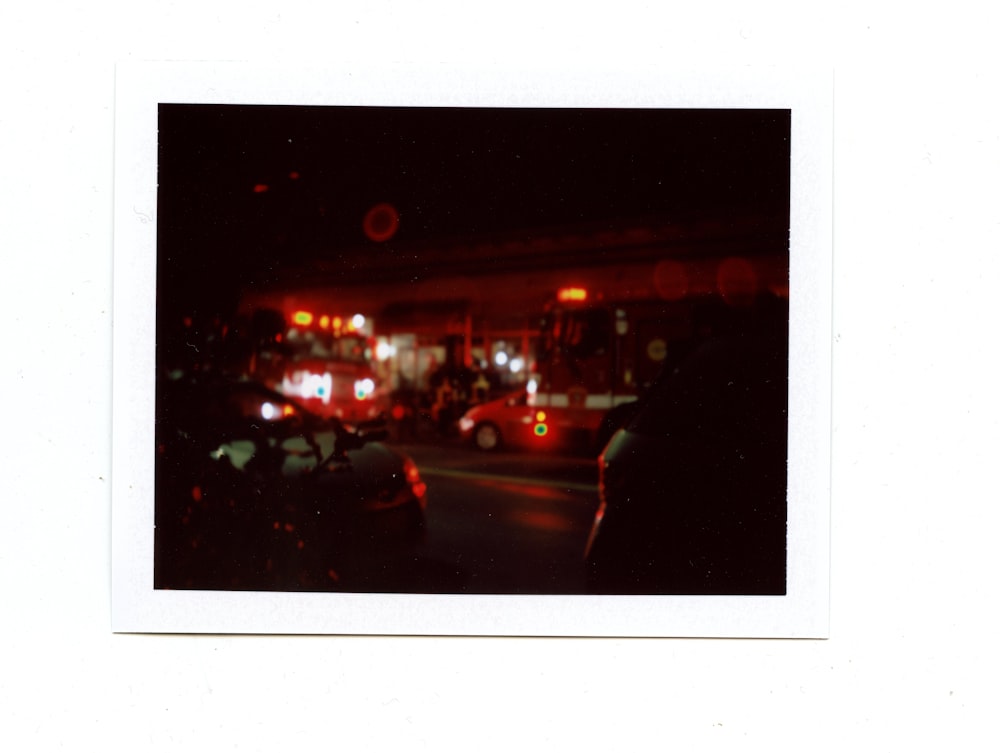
(384, 350)
(500, 359)
(268, 411)
(572, 294)
(532, 387)
(302, 317)
(308, 385)
(318, 385)
(358, 320)
(363, 388)
(516, 364)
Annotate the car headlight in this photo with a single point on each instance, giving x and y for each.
(363, 388)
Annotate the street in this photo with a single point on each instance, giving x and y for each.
(504, 523)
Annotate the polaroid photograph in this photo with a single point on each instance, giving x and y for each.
(429, 352)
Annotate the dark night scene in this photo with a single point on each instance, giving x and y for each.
(472, 350)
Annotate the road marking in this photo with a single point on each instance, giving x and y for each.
(518, 480)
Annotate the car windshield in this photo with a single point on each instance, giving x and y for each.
(306, 344)
(578, 333)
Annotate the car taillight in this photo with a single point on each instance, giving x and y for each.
(541, 428)
(412, 474)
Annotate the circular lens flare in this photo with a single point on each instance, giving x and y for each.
(670, 280)
(381, 222)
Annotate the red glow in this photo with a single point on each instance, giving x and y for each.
(411, 471)
(260, 188)
(736, 281)
(294, 175)
(545, 521)
(381, 222)
(418, 487)
(196, 494)
(576, 295)
(671, 280)
(537, 491)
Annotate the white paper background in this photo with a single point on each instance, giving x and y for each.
(802, 613)
(911, 658)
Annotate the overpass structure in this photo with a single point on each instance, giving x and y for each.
(477, 292)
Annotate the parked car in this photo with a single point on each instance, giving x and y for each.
(616, 418)
(506, 421)
(693, 490)
(254, 491)
(514, 422)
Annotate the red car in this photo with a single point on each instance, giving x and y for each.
(515, 421)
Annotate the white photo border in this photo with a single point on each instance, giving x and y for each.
(137, 607)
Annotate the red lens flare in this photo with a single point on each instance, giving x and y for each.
(736, 281)
(381, 222)
(671, 280)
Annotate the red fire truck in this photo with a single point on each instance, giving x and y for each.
(598, 350)
(594, 355)
(326, 362)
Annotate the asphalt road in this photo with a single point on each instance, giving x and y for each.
(509, 523)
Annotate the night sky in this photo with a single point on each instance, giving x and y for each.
(244, 190)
